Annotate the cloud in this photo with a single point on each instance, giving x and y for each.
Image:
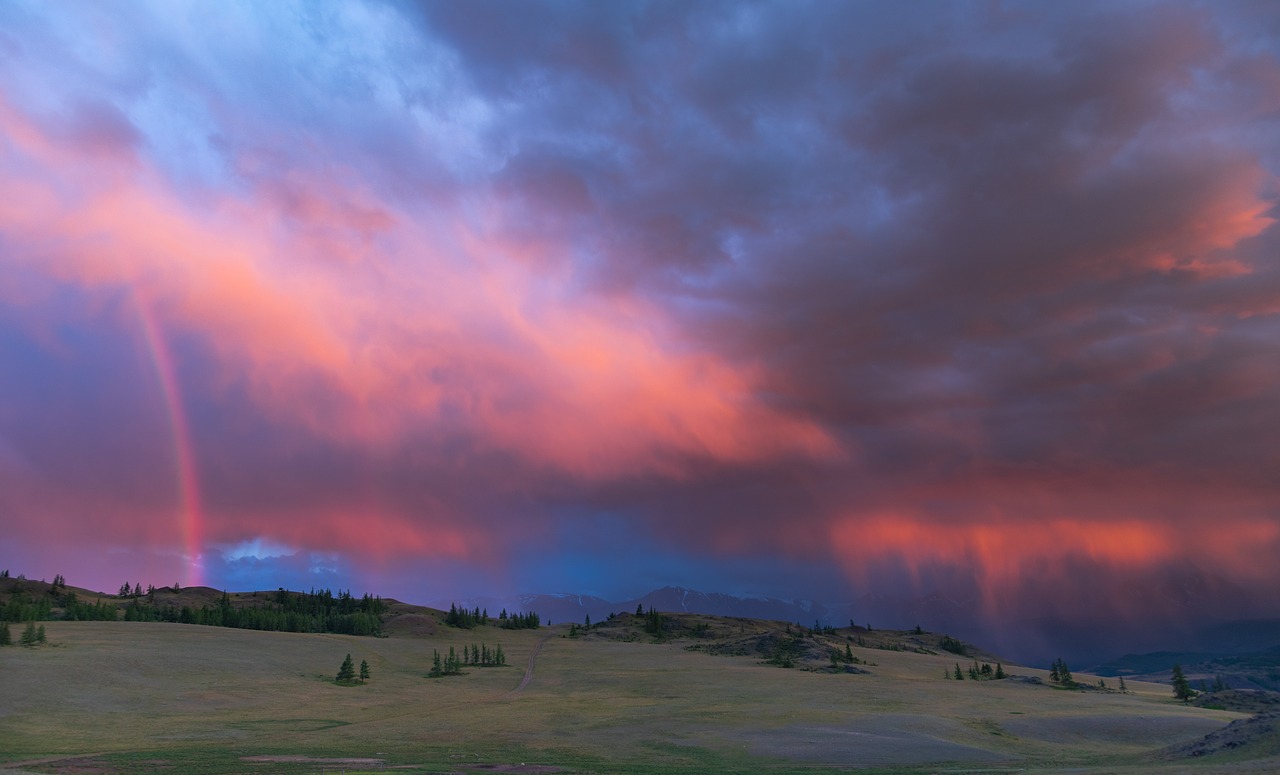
(994, 291)
(257, 549)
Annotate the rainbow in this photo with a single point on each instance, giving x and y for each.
(189, 517)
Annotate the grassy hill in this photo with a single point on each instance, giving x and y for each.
(701, 695)
(644, 692)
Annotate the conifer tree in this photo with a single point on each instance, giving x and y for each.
(1123, 689)
(959, 676)
(28, 637)
(436, 668)
(1181, 687)
(1000, 671)
(848, 653)
(364, 670)
(347, 672)
(6, 637)
(40, 636)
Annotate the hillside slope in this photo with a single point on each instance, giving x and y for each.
(134, 696)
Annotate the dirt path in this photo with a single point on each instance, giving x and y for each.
(17, 767)
(528, 671)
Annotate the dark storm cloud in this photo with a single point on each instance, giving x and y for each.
(956, 291)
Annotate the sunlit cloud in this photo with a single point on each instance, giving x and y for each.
(382, 289)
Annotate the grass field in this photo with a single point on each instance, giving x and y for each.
(123, 697)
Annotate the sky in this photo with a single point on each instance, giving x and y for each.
(816, 300)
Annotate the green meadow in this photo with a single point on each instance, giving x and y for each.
(105, 697)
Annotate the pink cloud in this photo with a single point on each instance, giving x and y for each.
(343, 314)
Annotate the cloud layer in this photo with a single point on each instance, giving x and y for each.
(830, 298)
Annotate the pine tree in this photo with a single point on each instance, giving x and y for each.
(1181, 688)
(364, 670)
(1123, 689)
(40, 636)
(1000, 672)
(436, 668)
(347, 672)
(6, 637)
(28, 638)
(959, 675)
(848, 653)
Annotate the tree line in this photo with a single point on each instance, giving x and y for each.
(475, 655)
(976, 672)
(314, 611)
(28, 607)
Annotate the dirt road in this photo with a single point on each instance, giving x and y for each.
(528, 671)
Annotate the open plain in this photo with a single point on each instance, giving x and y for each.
(106, 697)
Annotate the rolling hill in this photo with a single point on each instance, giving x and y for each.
(657, 692)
